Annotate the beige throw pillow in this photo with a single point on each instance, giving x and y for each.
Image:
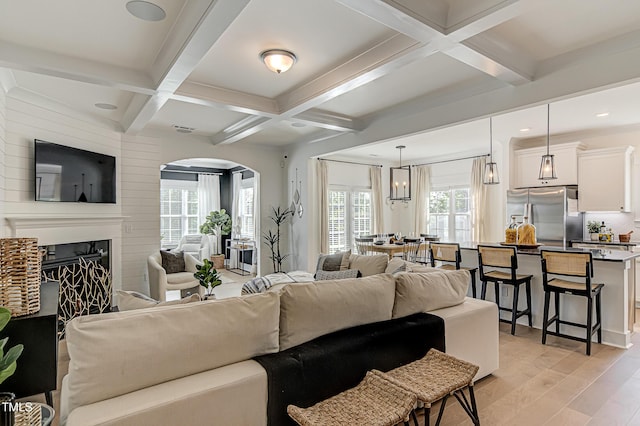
(314, 309)
(425, 292)
(369, 265)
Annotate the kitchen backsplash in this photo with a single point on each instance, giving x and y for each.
(620, 223)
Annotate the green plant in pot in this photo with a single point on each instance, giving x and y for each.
(8, 362)
(594, 229)
(217, 223)
(208, 277)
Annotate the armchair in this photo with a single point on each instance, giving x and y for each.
(160, 282)
(197, 245)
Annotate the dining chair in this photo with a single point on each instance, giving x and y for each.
(449, 257)
(363, 245)
(411, 249)
(574, 265)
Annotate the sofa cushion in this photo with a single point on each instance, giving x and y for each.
(396, 265)
(337, 275)
(117, 353)
(130, 300)
(424, 292)
(333, 262)
(314, 309)
(181, 278)
(369, 265)
(172, 261)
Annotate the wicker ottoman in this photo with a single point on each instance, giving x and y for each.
(375, 401)
(437, 376)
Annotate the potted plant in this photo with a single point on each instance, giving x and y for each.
(7, 368)
(594, 229)
(217, 223)
(208, 277)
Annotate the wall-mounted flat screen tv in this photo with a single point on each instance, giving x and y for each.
(70, 174)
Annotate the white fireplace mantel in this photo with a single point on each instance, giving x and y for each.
(64, 229)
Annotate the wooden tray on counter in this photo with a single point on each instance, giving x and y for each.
(521, 246)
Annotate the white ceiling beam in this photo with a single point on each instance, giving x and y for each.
(39, 61)
(468, 18)
(200, 25)
(232, 100)
(242, 129)
(329, 120)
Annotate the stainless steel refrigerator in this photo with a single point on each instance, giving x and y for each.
(553, 210)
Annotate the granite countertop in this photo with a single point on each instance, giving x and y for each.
(613, 243)
(598, 254)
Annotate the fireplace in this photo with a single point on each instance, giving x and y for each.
(57, 255)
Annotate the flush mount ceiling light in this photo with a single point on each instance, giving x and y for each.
(278, 60)
(106, 106)
(491, 169)
(547, 167)
(146, 11)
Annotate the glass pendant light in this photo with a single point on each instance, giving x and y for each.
(491, 169)
(547, 166)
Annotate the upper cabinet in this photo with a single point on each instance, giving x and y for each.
(604, 179)
(526, 166)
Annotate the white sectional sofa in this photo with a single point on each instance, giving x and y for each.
(192, 364)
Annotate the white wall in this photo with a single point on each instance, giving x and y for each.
(138, 160)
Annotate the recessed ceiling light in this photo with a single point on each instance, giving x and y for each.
(525, 129)
(146, 11)
(297, 124)
(102, 105)
(602, 114)
(373, 155)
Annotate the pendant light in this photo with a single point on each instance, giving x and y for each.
(400, 185)
(491, 169)
(547, 166)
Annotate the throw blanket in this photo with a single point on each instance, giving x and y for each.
(313, 371)
(262, 284)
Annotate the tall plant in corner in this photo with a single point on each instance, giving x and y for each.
(273, 240)
(8, 358)
(217, 223)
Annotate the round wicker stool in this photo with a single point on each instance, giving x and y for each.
(375, 401)
(437, 376)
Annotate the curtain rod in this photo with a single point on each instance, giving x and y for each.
(448, 161)
(350, 162)
(193, 173)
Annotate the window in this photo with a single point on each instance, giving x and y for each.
(349, 217)
(178, 210)
(246, 209)
(450, 216)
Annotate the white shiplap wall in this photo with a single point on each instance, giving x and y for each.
(3, 103)
(140, 207)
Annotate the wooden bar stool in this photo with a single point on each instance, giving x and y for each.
(449, 255)
(504, 257)
(578, 264)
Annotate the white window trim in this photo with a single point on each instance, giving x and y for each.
(452, 214)
(182, 185)
(349, 205)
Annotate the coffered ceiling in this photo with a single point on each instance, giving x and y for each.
(360, 64)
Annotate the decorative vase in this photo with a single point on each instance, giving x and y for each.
(7, 413)
(218, 261)
(595, 236)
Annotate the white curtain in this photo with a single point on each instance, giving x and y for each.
(323, 204)
(236, 209)
(422, 179)
(256, 221)
(479, 202)
(208, 200)
(377, 218)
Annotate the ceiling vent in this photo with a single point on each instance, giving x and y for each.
(183, 129)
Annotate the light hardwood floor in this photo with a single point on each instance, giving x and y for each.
(552, 384)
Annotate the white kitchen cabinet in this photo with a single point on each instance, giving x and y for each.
(526, 166)
(604, 180)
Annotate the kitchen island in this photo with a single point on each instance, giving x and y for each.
(614, 268)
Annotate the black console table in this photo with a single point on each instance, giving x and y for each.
(37, 367)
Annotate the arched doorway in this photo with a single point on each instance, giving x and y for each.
(190, 189)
